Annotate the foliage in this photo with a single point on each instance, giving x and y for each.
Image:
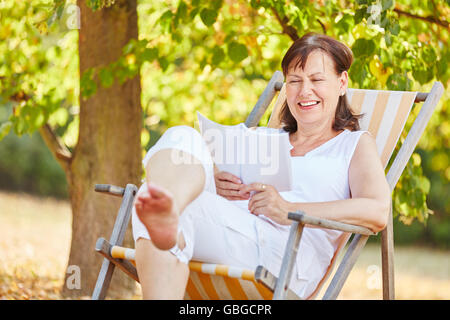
(39, 68)
(216, 57)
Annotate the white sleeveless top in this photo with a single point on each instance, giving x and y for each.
(321, 175)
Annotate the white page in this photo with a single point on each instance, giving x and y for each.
(254, 155)
(223, 142)
(267, 158)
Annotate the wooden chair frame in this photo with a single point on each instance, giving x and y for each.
(279, 285)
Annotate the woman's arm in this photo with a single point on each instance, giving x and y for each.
(371, 195)
(368, 207)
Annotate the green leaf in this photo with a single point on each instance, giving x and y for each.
(193, 13)
(163, 63)
(398, 82)
(106, 77)
(358, 72)
(429, 55)
(363, 47)
(393, 27)
(165, 20)
(87, 85)
(208, 16)
(402, 196)
(423, 75)
(345, 24)
(388, 38)
(5, 127)
(129, 47)
(359, 14)
(94, 4)
(181, 13)
(387, 4)
(417, 198)
(60, 11)
(149, 54)
(425, 184)
(218, 56)
(237, 51)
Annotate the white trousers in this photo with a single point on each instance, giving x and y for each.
(217, 230)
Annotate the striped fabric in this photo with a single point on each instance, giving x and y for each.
(213, 281)
(123, 253)
(220, 282)
(384, 114)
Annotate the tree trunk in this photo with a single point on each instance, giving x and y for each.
(108, 149)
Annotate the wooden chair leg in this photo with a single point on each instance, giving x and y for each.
(387, 260)
(345, 267)
(288, 262)
(117, 236)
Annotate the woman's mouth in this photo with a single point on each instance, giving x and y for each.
(308, 104)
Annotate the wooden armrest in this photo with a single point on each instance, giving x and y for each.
(104, 247)
(302, 218)
(110, 189)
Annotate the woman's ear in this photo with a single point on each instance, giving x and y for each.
(343, 82)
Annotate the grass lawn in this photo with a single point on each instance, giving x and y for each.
(35, 243)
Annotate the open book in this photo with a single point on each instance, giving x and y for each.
(258, 154)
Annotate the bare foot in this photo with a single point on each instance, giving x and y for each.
(158, 212)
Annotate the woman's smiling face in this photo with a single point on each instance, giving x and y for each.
(313, 92)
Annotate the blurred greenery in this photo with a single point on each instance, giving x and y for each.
(26, 165)
(216, 57)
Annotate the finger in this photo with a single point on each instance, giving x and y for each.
(255, 197)
(258, 210)
(228, 192)
(235, 198)
(228, 185)
(257, 204)
(253, 187)
(223, 175)
(259, 196)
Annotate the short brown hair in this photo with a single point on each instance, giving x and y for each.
(342, 56)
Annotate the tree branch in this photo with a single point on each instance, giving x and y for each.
(287, 29)
(324, 29)
(430, 19)
(56, 146)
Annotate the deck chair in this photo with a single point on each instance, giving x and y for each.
(385, 115)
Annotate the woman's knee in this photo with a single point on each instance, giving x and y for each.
(161, 275)
(183, 133)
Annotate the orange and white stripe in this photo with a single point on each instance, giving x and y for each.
(384, 115)
(213, 281)
(122, 253)
(219, 282)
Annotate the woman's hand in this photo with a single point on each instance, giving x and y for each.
(267, 201)
(228, 186)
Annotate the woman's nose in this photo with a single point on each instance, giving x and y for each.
(305, 89)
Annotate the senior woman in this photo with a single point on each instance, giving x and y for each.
(188, 210)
